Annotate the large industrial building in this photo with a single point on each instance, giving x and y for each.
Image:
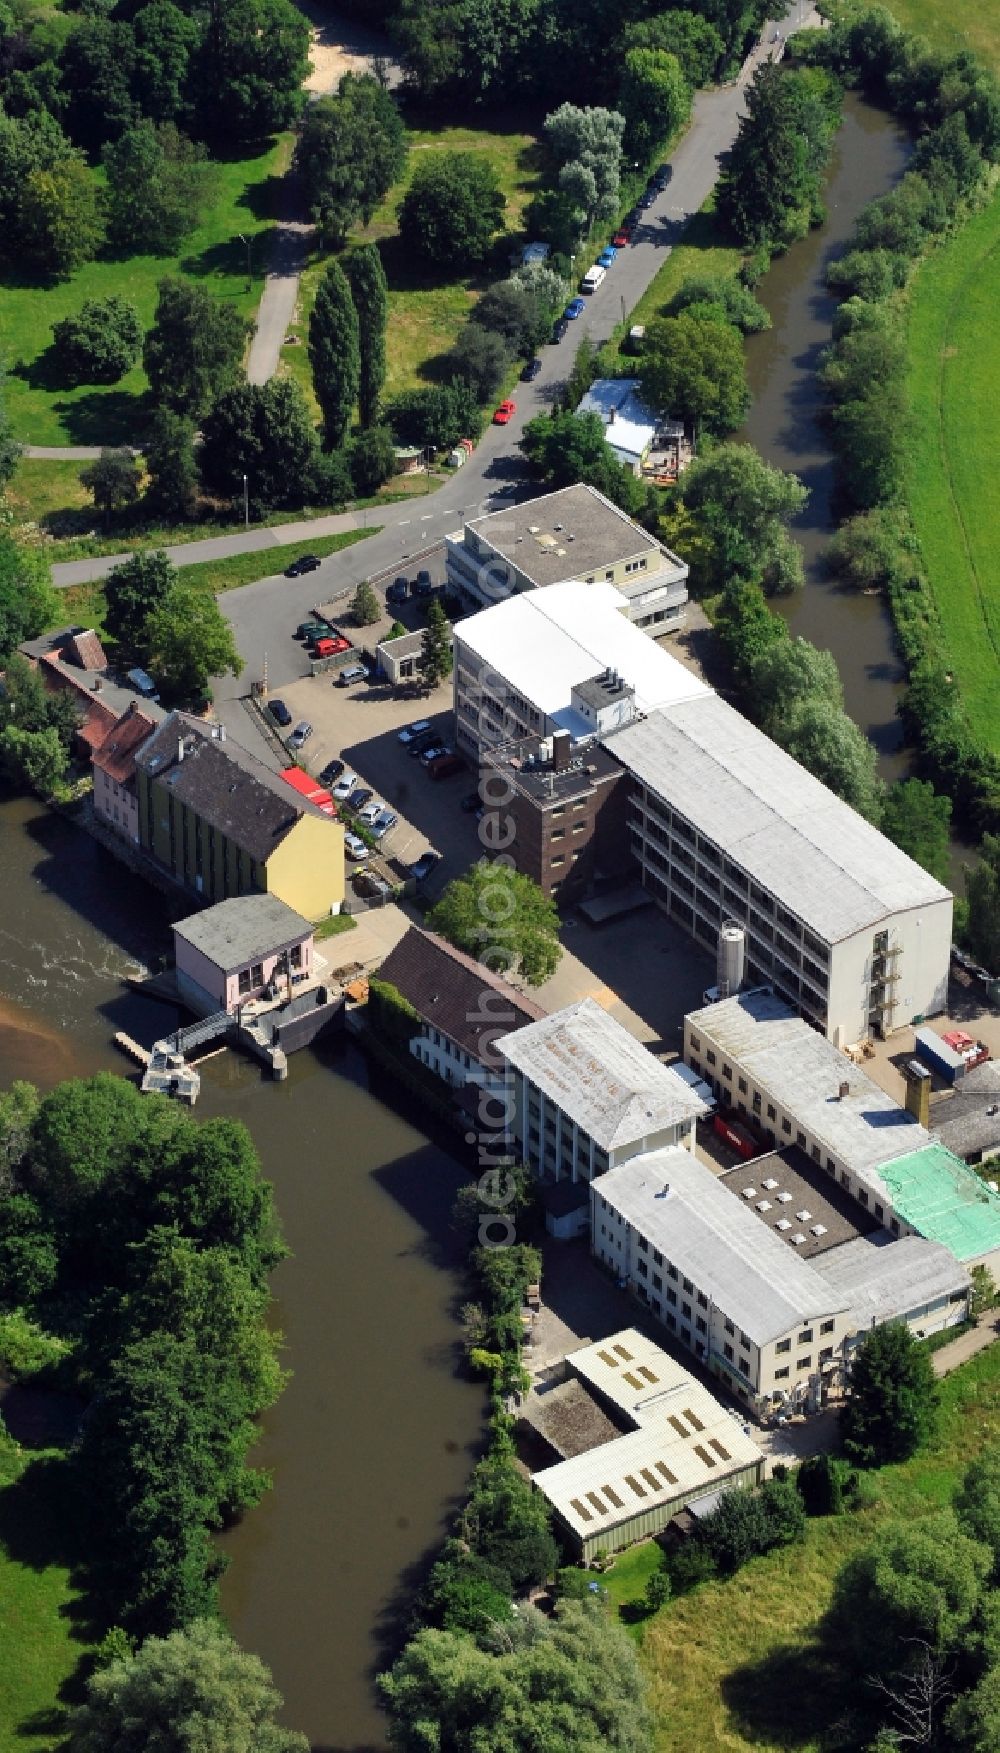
(677, 1445)
(574, 533)
(766, 1063)
(726, 826)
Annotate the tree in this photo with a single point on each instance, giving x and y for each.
(982, 886)
(977, 1503)
(370, 292)
(365, 608)
(193, 1688)
(335, 353)
(747, 628)
(770, 186)
(27, 705)
(868, 551)
(918, 1583)
(194, 349)
(479, 359)
(170, 464)
(695, 371)
(451, 211)
(788, 673)
(264, 432)
(61, 226)
(97, 62)
(919, 821)
(159, 186)
(572, 1683)
(515, 312)
(892, 1403)
(190, 641)
(563, 448)
(437, 416)
(100, 343)
(654, 98)
(984, 1295)
(351, 150)
(501, 917)
(28, 601)
(113, 481)
(35, 758)
(587, 146)
(373, 459)
(819, 1482)
(728, 298)
(27, 143)
(166, 38)
(250, 68)
(743, 506)
(657, 1591)
(132, 592)
(696, 43)
(10, 450)
(435, 647)
(836, 750)
(974, 1720)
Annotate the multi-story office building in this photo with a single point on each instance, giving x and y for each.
(572, 534)
(564, 659)
(726, 826)
(566, 813)
(588, 1095)
(797, 1088)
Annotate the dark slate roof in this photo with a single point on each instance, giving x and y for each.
(460, 996)
(967, 1118)
(224, 784)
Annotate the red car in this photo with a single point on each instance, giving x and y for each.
(621, 238)
(504, 413)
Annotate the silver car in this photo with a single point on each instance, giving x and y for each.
(300, 735)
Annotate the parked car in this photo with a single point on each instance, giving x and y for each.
(382, 824)
(414, 730)
(433, 749)
(300, 735)
(443, 766)
(359, 798)
(352, 672)
(505, 413)
(559, 329)
(647, 198)
(279, 711)
(312, 629)
(574, 309)
(622, 237)
(371, 885)
(662, 175)
(371, 809)
(424, 865)
(422, 584)
(470, 802)
(305, 563)
(419, 744)
(355, 848)
(531, 371)
(331, 772)
(607, 256)
(344, 786)
(398, 590)
(329, 647)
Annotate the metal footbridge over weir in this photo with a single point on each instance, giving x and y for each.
(198, 1034)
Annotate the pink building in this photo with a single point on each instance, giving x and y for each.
(240, 949)
(113, 765)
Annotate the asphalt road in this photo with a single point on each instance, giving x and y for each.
(263, 614)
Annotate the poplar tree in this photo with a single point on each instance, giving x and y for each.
(370, 292)
(335, 354)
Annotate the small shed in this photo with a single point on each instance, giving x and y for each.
(409, 459)
(534, 252)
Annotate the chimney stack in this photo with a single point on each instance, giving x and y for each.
(918, 1091)
(180, 748)
(844, 1090)
(560, 750)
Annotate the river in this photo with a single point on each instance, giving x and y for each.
(374, 1436)
(868, 158)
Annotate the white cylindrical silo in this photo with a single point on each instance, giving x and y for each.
(731, 963)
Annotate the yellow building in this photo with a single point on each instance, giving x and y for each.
(221, 824)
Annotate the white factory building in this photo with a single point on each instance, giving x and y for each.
(726, 826)
(572, 534)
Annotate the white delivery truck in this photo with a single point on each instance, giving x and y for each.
(593, 278)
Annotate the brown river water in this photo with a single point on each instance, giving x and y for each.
(373, 1438)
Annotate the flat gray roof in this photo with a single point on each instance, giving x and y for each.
(803, 1072)
(808, 848)
(886, 1278)
(601, 1076)
(695, 1222)
(565, 534)
(235, 932)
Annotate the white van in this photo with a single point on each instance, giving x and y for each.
(593, 278)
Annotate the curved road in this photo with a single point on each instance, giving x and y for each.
(263, 613)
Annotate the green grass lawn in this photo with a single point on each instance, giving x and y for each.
(703, 251)
(953, 484)
(424, 317)
(39, 1648)
(961, 24)
(213, 253)
(733, 1665)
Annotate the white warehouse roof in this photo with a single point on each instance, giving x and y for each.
(791, 834)
(708, 1233)
(803, 1072)
(885, 1278)
(543, 642)
(601, 1076)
